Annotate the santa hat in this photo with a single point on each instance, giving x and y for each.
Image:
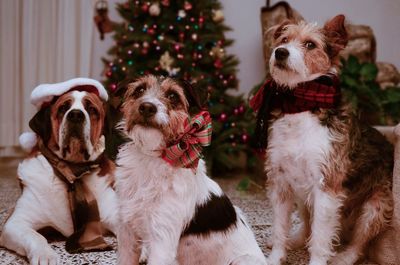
(43, 94)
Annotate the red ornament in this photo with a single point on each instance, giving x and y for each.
(245, 138)
(201, 20)
(145, 7)
(113, 87)
(177, 47)
(108, 73)
(187, 5)
(181, 36)
(241, 109)
(223, 117)
(145, 51)
(236, 111)
(218, 63)
(165, 2)
(151, 31)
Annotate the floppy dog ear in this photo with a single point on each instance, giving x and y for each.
(41, 124)
(336, 35)
(113, 137)
(197, 97)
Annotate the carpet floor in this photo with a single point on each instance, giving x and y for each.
(252, 201)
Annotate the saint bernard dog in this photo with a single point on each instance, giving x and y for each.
(66, 180)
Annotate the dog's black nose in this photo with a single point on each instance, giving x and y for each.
(147, 109)
(281, 54)
(76, 116)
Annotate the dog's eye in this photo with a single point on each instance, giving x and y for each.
(173, 97)
(284, 40)
(139, 91)
(93, 111)
(310, 45)
(63, 108)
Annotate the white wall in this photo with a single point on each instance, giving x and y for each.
(244, 18)
(383, 16)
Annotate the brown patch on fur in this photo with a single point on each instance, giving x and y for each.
(96, 110)
(317, 61)
(159, 88)
(360, 166)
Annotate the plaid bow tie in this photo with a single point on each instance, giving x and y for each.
(187, 152)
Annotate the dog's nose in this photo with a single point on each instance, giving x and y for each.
(281, 54)
(147, 109)
(76, 116)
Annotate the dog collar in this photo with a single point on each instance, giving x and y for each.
(188, 150)
(323, 92)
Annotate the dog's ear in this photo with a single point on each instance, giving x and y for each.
(41, 124)
(279, 29)
(197, 97)
(113, 137)
(336, 35)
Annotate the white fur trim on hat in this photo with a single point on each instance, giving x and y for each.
(28, 140)
(45, 92)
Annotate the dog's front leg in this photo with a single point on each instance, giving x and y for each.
(128, 246)
(20, 236)
(163, 252)
(163, 245)
(325, 225)
(282, 202)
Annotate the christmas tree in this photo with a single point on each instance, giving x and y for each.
(185, 39)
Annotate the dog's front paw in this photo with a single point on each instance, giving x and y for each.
(347, 257)
(277, 257)
(44, 256)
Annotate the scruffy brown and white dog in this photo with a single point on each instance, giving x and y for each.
(66, 179)
(319, 156)
(176, 212)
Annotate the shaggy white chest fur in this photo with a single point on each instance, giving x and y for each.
(298, 144)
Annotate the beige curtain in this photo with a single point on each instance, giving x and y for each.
(41, 41)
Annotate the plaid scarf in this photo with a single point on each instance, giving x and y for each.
(87, 234)
(187, 152)
(323, 92)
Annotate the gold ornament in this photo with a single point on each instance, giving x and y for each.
(217, 15)
(166, 62)
(217, 52)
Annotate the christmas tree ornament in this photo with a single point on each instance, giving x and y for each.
(218, 63)
(155, 10)
(181, 13)
(223, 117)
(217, 16)
(165, 2)
(217, 52)
(145, 7)
(103, 22)
(166, 62)
(187, 5)
(194, 36)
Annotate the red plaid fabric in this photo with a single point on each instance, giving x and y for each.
(323, 92)
(319, 93)
(188, 151)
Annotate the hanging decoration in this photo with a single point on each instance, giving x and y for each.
(103, 22)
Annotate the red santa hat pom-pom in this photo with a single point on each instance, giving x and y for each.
(28, 141)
